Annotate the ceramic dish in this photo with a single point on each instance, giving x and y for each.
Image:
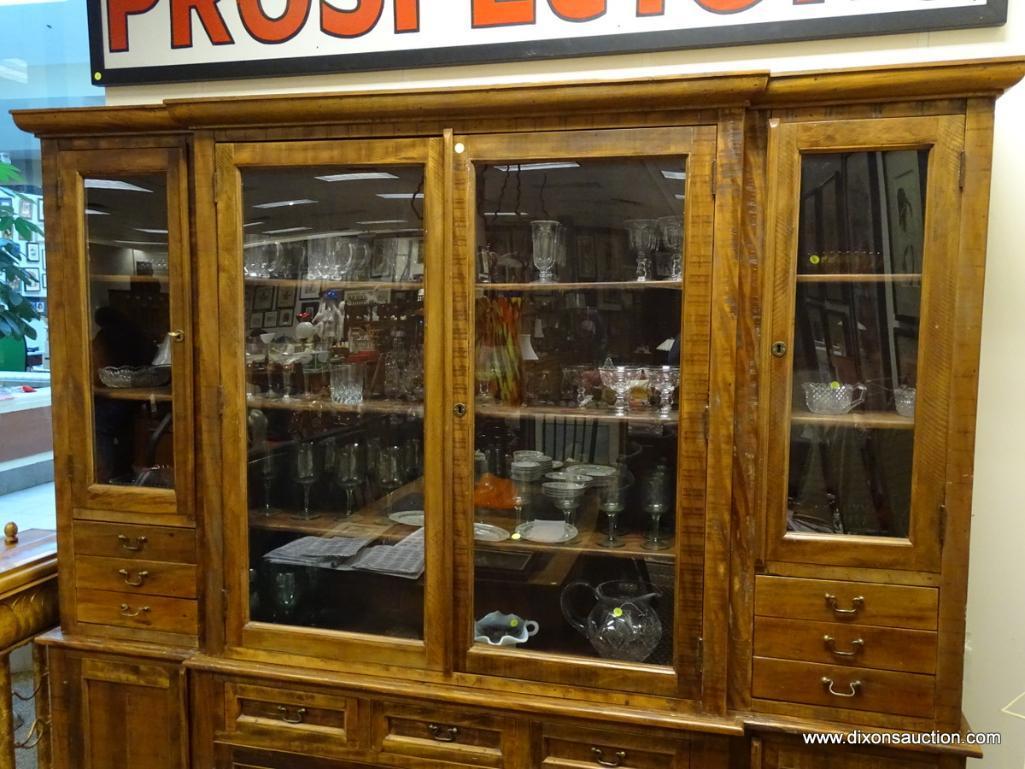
(485, 532)
(547, 532)
(408, 517)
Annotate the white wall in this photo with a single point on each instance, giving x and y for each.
(995, 670)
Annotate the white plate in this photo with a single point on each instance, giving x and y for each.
(595, 471)
(546, 532)
(485, 532)
(408, 517)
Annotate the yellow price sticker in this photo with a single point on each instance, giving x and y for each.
(834, 385)
(514, 622)
(516, 535)
(814, 258)
(617, 612)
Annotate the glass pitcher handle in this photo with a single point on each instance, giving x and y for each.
(861, 390)
(567, 612)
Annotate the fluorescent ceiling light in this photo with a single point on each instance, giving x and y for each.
(382, 221)
(675, 175)
(539, 166)
(287, 230)
(400, 195)
(96, 212)
(357, 177)
(286, 203)
(151, 232)
(257, 223)
(113, 184)
(140, 243)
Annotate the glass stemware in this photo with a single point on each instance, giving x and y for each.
(304, 472)
(566, 496)
(611, 501)
(268, 474)
(390, 470)
(347, 383)
(664, 380)
(545, 234)
(643, 236)
(620, 379)
(486, 372)
(671, 230)
(286, 594)
(657, 501)
(351, 471)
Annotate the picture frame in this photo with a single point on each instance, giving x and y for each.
(905, 201)
(34, 279)
(310, 307)
(286, 297)
(26, 208)
(255, 321)
(309, 289)
(31, 252)
(6, 202)
(270, 319)
(286, 318)
(263, 298)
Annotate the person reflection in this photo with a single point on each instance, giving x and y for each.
(118, 342)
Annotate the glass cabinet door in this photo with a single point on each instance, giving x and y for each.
(860, 340)
(122, 216)
(332, 347)
(580, 463)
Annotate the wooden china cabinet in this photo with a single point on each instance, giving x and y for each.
(621, 424)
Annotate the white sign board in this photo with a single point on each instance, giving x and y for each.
(135, 41)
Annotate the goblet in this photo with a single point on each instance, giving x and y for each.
(612, 493)
(304, 472)
(643, 235)
(390, 470)
(286, 594)
(664, 380)
(268, 473)
(566, 496)
(657, 501)
(351, 470)
(342, 256)
(620, 379)
(671, 230)
(545, 234)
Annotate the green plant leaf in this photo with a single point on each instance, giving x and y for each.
(10, 174)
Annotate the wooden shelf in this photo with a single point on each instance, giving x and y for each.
(341, 285)
(499, 411)
(160, 394)
(154, 279)
(589, 286)
(366, 407)
(886, 420)
(915, 277)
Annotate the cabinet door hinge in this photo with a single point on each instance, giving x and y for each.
(700, 653)
(704, 421)
(962, 171)
(943, 523)
(715, 178)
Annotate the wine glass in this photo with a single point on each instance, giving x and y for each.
(342, 255)
(304, 472)
(620, 379)
(671, 230)
(286, 594)
(657, 501)
(611, 501)
(268, 473)
(664, 379)
(643, 235)
(545, 234)
(351, 470)
(486, 373)
(390, 470)
(566, 496)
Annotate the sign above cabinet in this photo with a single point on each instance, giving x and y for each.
(149, 41)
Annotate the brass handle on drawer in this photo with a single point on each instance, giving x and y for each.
(126, 611)
(136, 581)
(857, 604)
(599, 757)
(855, 688)
(298, 718)
(857, 645)
(443, 733)
(125, 542)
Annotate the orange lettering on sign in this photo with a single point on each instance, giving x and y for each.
(211, 19)
(578, 10)
(503, 13)
(651, 7)
(270, 30)
(407, 15)
(118, 12)
(354, 23)
(727, 6)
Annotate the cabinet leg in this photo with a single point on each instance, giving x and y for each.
(44, 748)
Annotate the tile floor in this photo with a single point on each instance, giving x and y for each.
(32, 508)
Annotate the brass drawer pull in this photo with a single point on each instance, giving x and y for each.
(126, 543)
(857, 604)
(288, 718)
(857, 646)
(599, 757)
(135, 581)
(443, 733)
(855, 688)
(126, 611)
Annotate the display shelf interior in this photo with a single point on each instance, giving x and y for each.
(628, 285)
(159, 394)
(500, 411)
(911, 277)
(407, 408)
(139, 279)
(341, 285)
(863, 419)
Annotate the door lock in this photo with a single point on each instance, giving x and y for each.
(779, 349)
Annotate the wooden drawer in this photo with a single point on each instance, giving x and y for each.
(151, 543)
(862, 603)
(174, 580)
(883, 691)
(461, 737)
(570, 747)
(291, 719)
(149, 612)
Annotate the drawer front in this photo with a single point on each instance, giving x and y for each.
(148, 612)
(291, 719)
(861, 603)
(883, 691)
(151, 543)
(461, 737)
(564, 747)
(834, 643)
(174, 580)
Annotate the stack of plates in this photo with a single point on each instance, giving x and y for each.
(526, 470)
(530, 455)
(563, 489)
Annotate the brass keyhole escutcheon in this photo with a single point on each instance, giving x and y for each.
(779, 349)
(460, 409)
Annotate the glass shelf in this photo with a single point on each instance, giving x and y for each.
(864, 419)
(341, 285)
(500, 411)
(628, 285)
(405, 408)
(161, 395)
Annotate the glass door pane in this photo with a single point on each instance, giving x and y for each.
(333, 269)
(130, 314)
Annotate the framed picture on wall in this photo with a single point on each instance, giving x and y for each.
(310, 307)
(285, 318)
(6, 202)
(32, 252)
(26, 208)
(33, 282)
(263, 299)
(255, 320)
(286, 297)
(270, 319)
(309, 289)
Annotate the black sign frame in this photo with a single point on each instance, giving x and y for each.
(993, 14)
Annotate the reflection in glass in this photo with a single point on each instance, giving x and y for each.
(126, 232)
(857, 322)
(333, 264)
(566, 417)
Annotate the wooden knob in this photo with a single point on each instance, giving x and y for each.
(11, 533)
